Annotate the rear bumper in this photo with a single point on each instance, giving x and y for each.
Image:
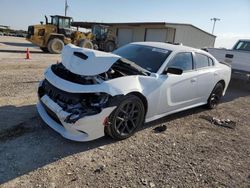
(85, 129)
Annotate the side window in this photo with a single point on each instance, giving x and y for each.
(201, 61)
(182, 61)
(242, 45)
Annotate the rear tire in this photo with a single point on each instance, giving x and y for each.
(55, 46)
(215, 96)
(85, 43)
(126, 118)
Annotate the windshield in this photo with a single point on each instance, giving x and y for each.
(61, 22)
(147, 57)
(64, 23)
(100, 32)
(55, 21)
(242, 45)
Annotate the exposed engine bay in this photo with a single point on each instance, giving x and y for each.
(118, 69)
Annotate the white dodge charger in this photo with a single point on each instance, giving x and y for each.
(92, 93)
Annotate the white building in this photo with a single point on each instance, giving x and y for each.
(186, 34)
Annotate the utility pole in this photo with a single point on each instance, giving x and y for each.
(66, 7)
(214, 20)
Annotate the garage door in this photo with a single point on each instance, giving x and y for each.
(158, 35)
(125, 36)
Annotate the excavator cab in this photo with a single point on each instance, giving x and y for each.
(100, 32)
(60, 21)
(105, 39)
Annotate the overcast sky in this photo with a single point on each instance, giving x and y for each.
(234, 14)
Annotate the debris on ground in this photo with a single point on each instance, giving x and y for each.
(151, 184)
(99, 169)
(74, 179)
(220, 122)
(69, 173)
(160, 128)
(101, 147)
(144, 181)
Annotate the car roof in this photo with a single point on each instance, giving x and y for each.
(168, 46)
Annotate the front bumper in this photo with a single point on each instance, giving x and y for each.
(85, 129)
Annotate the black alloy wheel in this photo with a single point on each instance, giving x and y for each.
(127, 118)
(215, 96)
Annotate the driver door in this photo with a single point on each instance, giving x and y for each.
(179, 91)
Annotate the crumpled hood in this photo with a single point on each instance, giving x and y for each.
(87, 62)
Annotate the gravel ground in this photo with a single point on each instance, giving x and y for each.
(192, 152)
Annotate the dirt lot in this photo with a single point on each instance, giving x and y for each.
(192, 152)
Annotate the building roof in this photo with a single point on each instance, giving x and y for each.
(82, 24)
(88, 25)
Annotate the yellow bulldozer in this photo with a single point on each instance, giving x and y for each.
(52, 36)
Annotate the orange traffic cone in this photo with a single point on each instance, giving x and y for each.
(27, 54)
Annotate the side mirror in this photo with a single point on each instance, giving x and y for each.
(172, 70)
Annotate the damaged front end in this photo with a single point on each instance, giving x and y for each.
(79, 116)
(76, 116)
(76, 99)
(77, 105)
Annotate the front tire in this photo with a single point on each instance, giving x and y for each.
(109, 46)
(55, 46)
(85, 43)
(215, 96)
(126, 118)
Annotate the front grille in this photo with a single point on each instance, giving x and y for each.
(57, 94)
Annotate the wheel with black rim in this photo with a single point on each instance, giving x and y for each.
(126, 118)
(55, 46)
(215, 96)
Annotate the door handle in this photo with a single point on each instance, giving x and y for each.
(229, 56)
(193, 80)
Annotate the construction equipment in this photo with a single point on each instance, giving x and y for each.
(105, 38)
(52, 36)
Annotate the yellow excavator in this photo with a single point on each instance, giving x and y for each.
(52, 36)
